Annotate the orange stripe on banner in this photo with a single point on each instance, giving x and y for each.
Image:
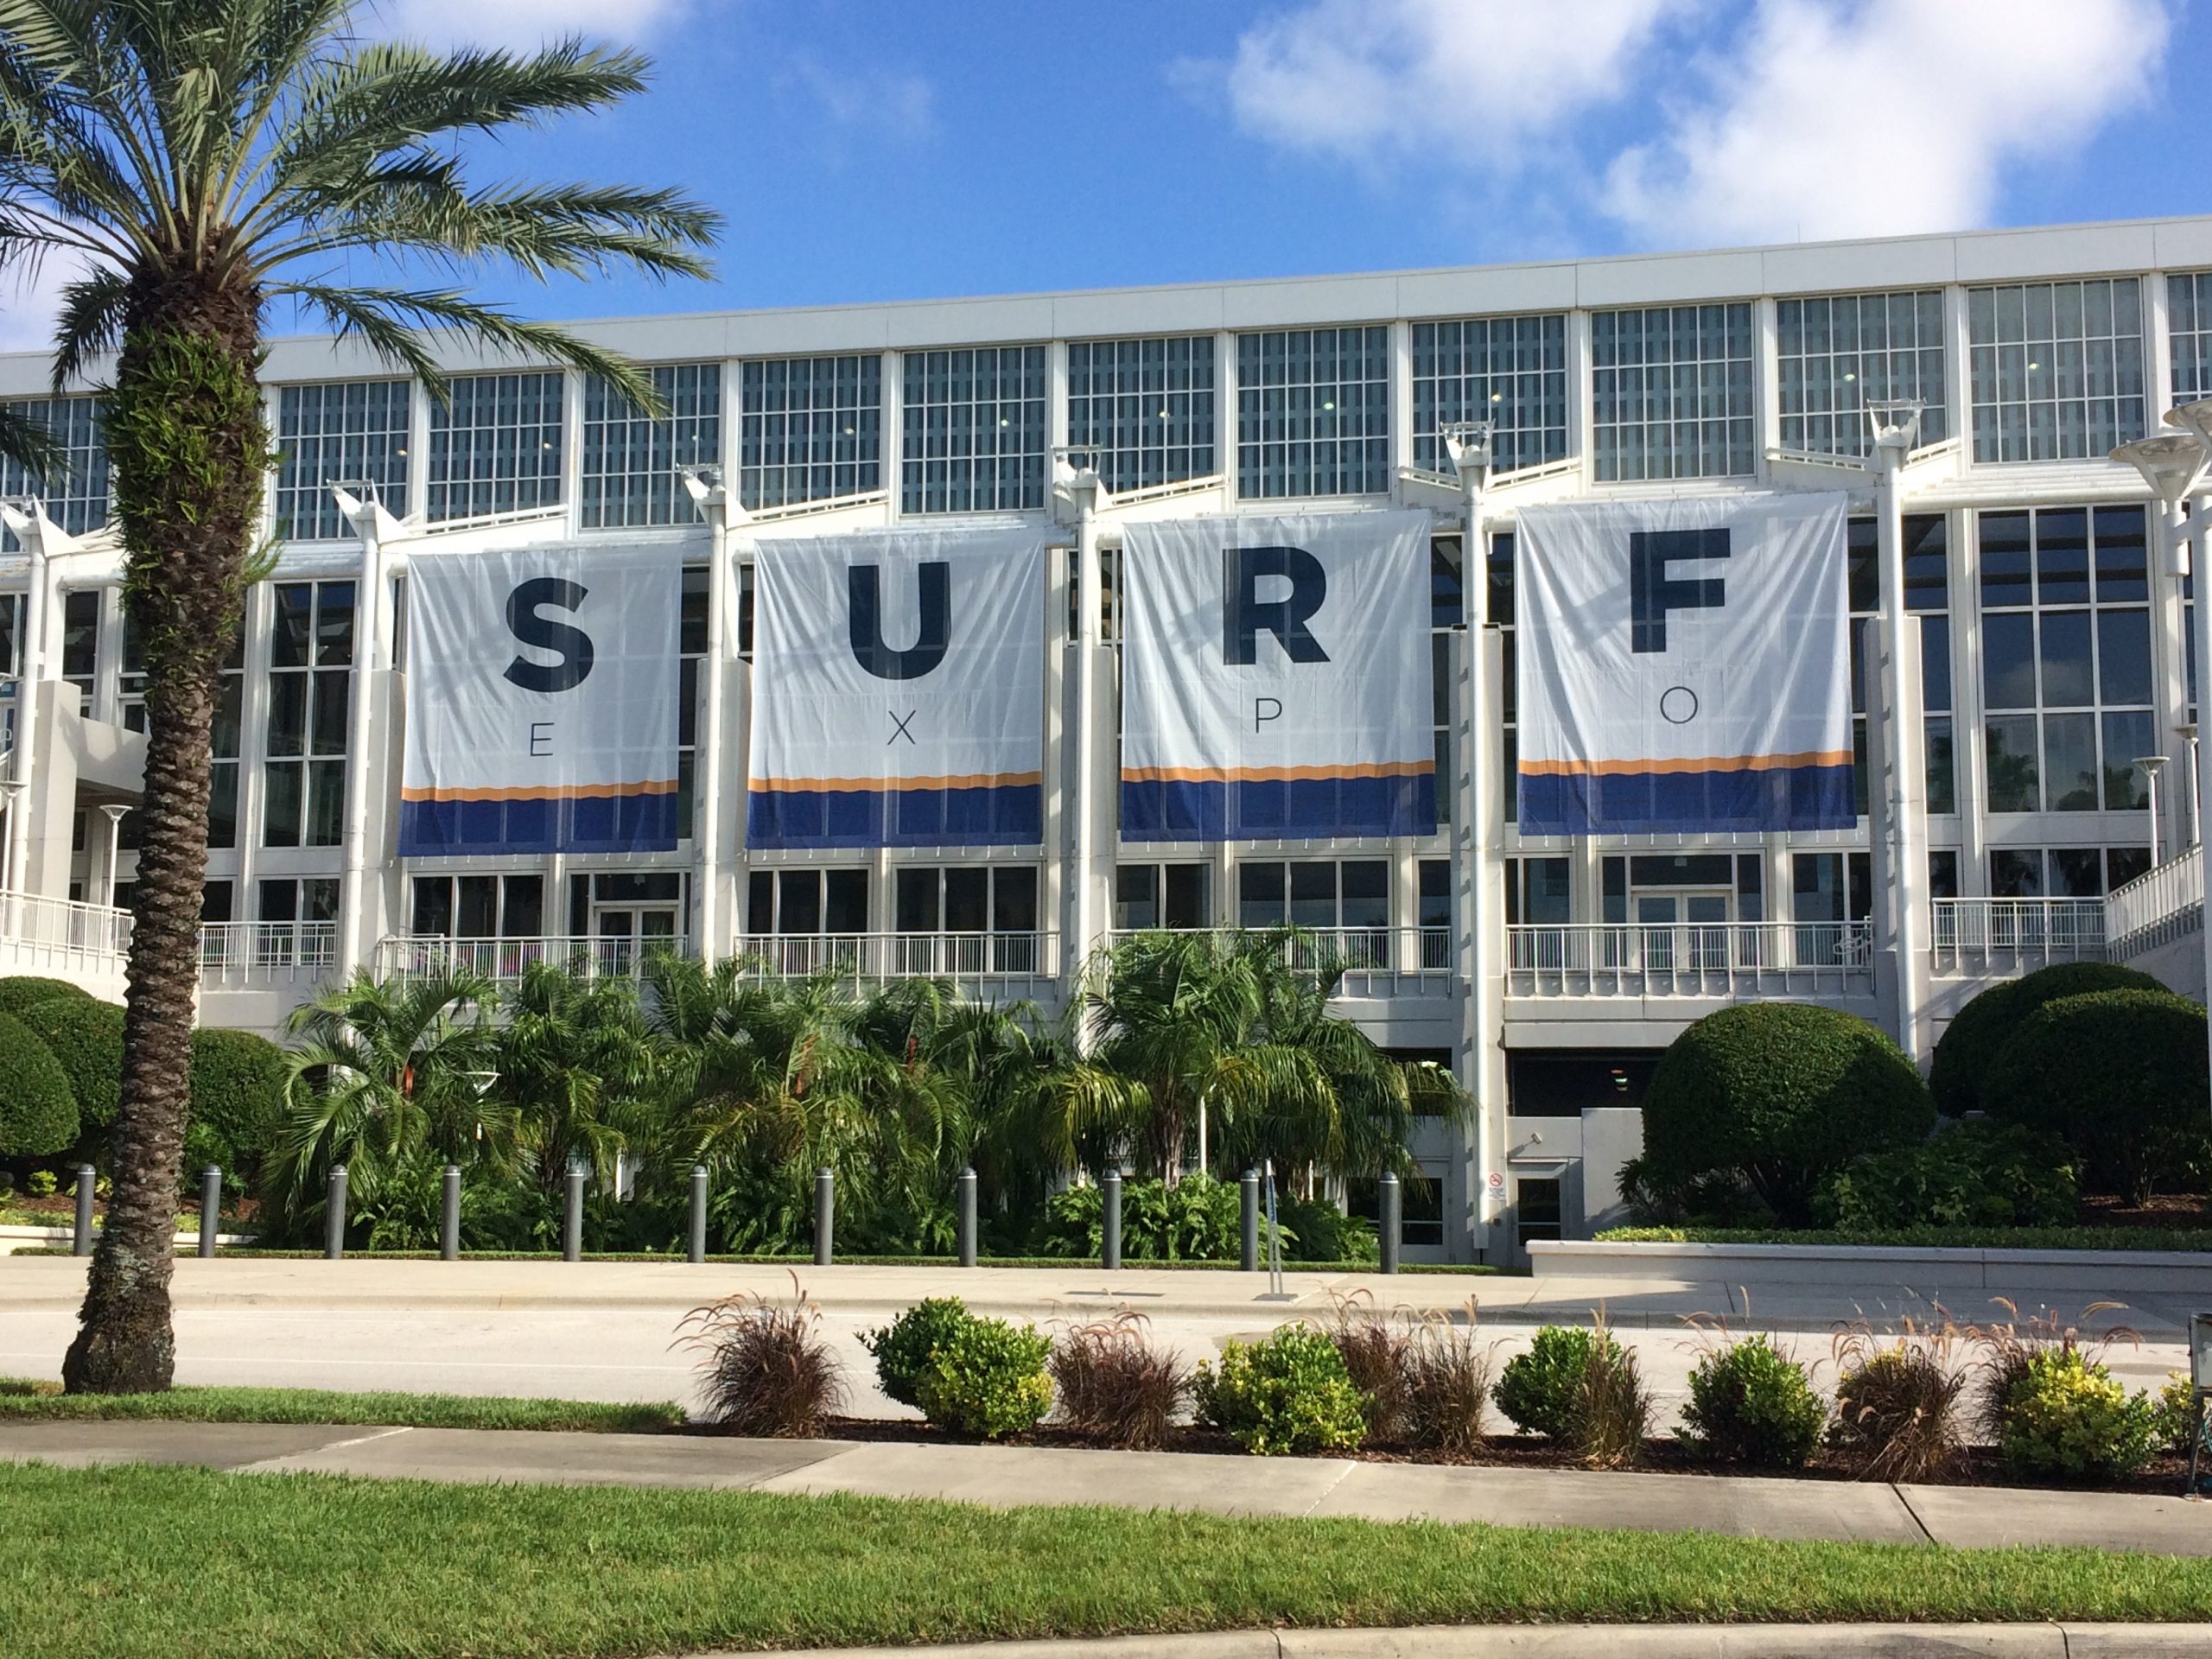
(1273, 774)
(584, 793)
(880, 785)
(1730, 763)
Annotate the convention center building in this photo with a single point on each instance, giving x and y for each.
(1567, 649)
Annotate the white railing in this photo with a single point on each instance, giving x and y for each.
(62, 935)
(237, 953)
(1720, 959)
(2159, 904)
(1374, 961)
(1970, 936)
(593, 956)
(872, 958)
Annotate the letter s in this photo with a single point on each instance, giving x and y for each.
(543, 634)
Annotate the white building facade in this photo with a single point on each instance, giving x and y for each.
(2045, 657)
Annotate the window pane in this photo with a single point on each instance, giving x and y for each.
(1260, 895)
(2008, 668)
(916, 899)
(2069, 758)
(1014, 900)
(2126, 736)
(2010, 742)
(2066, 677)
(2123, 656)
(2016, 874)
(1366, 893)
(966, 900)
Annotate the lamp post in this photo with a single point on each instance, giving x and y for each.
(1893, 425)
(115, 810)
(2169, 464)
(2187, 732)
(711, 497)
(2151, 766)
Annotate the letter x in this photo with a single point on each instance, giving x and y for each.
(901, 727)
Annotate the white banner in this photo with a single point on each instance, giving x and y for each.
(1684, 666)
(898, 690)
(542, 687)
(1275, 680)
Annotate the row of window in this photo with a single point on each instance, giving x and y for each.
(2056, 372)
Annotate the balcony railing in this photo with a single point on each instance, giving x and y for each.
(592, 955)
(62, 937)
(2159, 904)
(872, 958)
(1374, 961)
(241, 953)
(1719, 959)
(1970, 936)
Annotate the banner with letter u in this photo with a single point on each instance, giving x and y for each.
(1275, 678)
(1684, 666)
(898, 690)
(542, 688)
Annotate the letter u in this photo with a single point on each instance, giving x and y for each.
(864, 589)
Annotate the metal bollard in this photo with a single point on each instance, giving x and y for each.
(334, 1214)
(1110, 1222)
(966, 1187)
(1390, 1216)
(572, 1226)
(210, 1208)
(698, 1249)
(449, 1216)
(1248, 1249)
(87, 1177)
(825, 1216)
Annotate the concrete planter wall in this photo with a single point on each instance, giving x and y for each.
(1922, 1267)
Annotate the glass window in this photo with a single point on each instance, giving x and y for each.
(630, 461)
(1162, 895)
(1837, 352)
(305, 899)
(975, 437)
(810, 429)
(1674, 392)
(353, 433)
(1312, 412)
(495, 445)
(310, 686)
(1510, 372)
(77, 499)
(2055, 369)
(691, 645)
(1145, 408)
(1927, 593)
(2189, 318)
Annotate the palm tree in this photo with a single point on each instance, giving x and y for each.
(385, 1072)
(576, 1069)
(205, 160)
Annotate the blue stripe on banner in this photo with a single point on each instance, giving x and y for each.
(617, 823)
(1300, 809)
(1005, 814)
(1670, 803)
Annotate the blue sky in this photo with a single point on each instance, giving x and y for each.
(865, 150)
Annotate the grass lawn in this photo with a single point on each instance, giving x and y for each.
(136, 1560)
(20, 1399)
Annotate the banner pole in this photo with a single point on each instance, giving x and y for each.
(368, 634)
(707, 824)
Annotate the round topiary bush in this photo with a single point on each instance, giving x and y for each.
(237, 1102)
(1779, 1093)
(905, 1348)
(1979, 1032)
(1536, 1389)
(1287, 1393)
(20, 991)
(2068, 1415)
(86, 1038)
(1751, 1404)
(38, 1114)
(988, 1378)
(2121, 1077)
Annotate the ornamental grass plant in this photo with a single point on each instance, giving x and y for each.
(1113, 1385)
(1377, 1351)
(1449, 1378)
(1897, 1402)
(766, 1369)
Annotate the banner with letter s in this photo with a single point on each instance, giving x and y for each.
(898, 690)
(542, 689)
(1684, 666)
(1275, 678)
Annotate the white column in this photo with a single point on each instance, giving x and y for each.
(35, 605)
(1902, 750)
(709, 762)
(1083, 907)
(368, 660)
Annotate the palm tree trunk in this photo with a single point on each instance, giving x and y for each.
(189, 446)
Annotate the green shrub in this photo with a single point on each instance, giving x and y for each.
(1979, 1032)
(1780, 1093)
(905, 1348)
(2119, 1076)
(2176, 1406)
(987, 1378)
(1287, 1393)
(238, 1104)
(1314, 1230)
(1536, 1389)
(1751, 1404)
(86, 1038)
(38, 1114)
(1974, 1174)
(20, 991)
(1198, 1219)
(2069, 1417)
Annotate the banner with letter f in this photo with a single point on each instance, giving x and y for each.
(541, 689)
(1684, 666)
(1275, 678)
(898, 690)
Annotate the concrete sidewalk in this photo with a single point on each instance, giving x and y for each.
(1006, 1476)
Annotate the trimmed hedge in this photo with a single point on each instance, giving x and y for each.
(1779, 1094)
(22, 990)
(1976, 1174)
(1976, 1038)
(2120, 1076)
(86, 1038)
(237, 1102)
(38, 1114)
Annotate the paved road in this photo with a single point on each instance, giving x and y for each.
(607, 1331)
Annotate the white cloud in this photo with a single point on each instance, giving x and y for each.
(887, 101)
(1365, 80)
(30, 300)
(526, 24)
(1883, 117)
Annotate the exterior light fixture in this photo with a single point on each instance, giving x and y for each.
(2151, 766)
